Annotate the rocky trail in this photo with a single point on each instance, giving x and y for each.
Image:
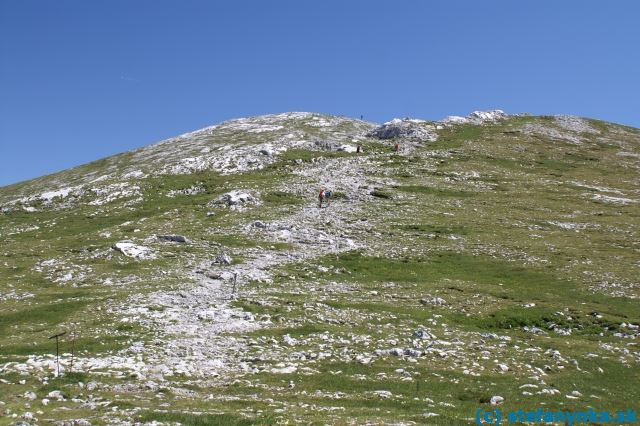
(192, 325)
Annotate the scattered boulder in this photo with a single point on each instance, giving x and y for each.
(413, 353)
(496, 400)
(347, 148)
(224, 275)
(56, 394)
(235, 197)
(423, 334)
(363, 359)
(284, 369)
(383, 394)
(434, 301)
(192, 190)
(534, 330)
(502, 367)
(495, 336)
(289, 341)
(333, 146)
(268, 151)
(223, 259)
(396, 351)
(207, 315)
(130, 249)
(174, 238)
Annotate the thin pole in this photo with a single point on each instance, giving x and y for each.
(58, 350)
(235, 279)
(73, 347)
(57, 357)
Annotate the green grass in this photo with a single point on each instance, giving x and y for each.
(455, 137)
(435, 229)
(440, 265)
(504, 280)
(437, 192)
(82, 346)
(187, 419)
(280, 198)
(63, 382)
(44, 316)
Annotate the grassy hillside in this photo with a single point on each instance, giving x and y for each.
(501, 259)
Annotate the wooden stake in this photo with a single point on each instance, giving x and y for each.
(58, 350)
(235, 280)
(73, 347)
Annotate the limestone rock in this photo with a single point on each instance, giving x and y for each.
(405, 129)
(496, 400)
(235, 197)
(223, 259)
(130, 249)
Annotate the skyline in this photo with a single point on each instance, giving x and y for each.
(84, 81)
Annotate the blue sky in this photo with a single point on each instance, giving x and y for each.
(80, 80)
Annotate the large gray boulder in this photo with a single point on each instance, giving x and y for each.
(405, 129)
(173, 238)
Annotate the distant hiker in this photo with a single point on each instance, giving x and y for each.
(324, 196)
(359, 148)
(327, 196)
(361, 116)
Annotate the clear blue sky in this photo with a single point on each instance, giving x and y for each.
(80, 80)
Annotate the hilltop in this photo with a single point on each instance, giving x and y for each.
(491, 260)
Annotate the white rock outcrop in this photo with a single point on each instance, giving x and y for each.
(476, 117)
(130, 249)
(406, 129)
(235, 197)
(496, 400)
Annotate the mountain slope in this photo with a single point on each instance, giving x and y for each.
(492, 255)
